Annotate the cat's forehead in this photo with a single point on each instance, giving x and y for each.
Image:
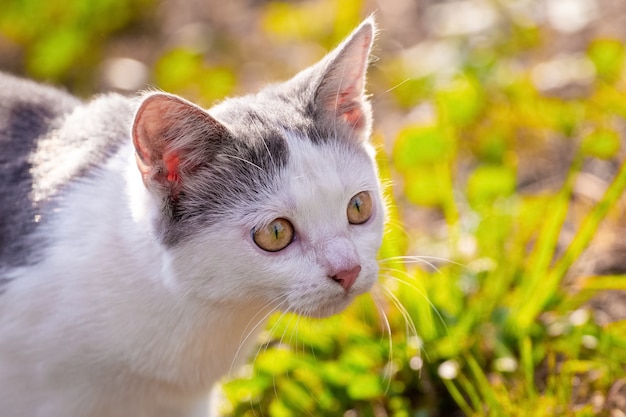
(263, 114)
(318, 161)
(316, 182)
(321, 177)
(338, 163)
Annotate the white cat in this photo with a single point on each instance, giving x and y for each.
(144, 241)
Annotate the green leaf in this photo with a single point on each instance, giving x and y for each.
(365, 387)
(286, 21)
(608, 58)
(296, 396)
(362, 357)
(489, 182)
(55, 54)
(417, 145)
(275, 361)
(184, 71)
(461, 101)
(177, 68)
(603, 283)
(278, 408)
(603, 144)
(428, 185)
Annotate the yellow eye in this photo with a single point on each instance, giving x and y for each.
(275, 236)
(360, 208)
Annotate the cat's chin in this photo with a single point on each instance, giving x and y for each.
(328, 309)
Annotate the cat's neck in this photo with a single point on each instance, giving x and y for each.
(204, 338)
(161, 330)
(199, 341)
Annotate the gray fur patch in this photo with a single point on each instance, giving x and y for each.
(239, 168)
(242, 165)
(27, 111)
(47, 139)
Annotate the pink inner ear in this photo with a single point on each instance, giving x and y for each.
(346, 95)
(158, 114)
(171, 165)
(348, 107)
(354, 117)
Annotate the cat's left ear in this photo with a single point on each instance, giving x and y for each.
(340, 95)
(172, 138)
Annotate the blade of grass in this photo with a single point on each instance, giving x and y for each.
(549, 285)
(450, 209)
(524, 301)
(470, 391)
(417, 302)
(616, 331)
(589, 286)
(394, 242)
(458, 397)
(484, 386)
(552, 377)
(528, 366)
(591, 223)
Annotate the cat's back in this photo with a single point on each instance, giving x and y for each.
(23, 100)
(47, 139)
(28, 111)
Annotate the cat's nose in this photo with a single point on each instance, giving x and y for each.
(347, 277)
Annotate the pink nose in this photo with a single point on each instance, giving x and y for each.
(347, 277)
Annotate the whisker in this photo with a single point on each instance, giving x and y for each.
(392, 222)
(253, 329)
(392, 88)
(243, 160)
(265, 144)
(417, 261)
(265, 346)
(421, 258)
(255, 127)
(387, 327)
(410, 328)
(421, 292)
(306, 313)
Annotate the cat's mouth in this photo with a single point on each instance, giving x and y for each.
(329, 309)
(329, 305)
(326, 296)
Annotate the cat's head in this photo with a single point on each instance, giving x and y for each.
(270, 198)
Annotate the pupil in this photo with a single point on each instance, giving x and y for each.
(357, 204)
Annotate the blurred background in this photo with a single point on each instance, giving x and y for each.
(500, 129)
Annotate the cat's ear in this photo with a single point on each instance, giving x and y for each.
(172, 137)
(340, 95)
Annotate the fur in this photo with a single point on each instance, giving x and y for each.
(129, 274)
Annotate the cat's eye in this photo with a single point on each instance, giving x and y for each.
(360, 208)
(275, 236)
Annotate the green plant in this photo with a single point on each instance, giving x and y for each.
(502, 328)
(481, 309)
(63, 41)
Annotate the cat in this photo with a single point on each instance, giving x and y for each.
(144, 241)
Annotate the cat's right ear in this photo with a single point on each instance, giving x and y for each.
(172, 138)
(340, 96)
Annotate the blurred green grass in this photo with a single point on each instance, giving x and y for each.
(481, 309)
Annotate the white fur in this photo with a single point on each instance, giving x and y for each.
(112, 323)
(146, 331)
